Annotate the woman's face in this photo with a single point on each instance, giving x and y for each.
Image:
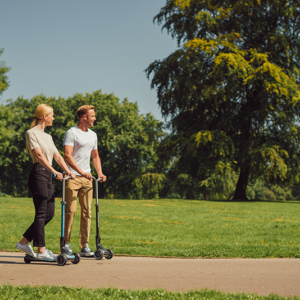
(49, 119)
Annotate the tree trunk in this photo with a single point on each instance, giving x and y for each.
(241, 187)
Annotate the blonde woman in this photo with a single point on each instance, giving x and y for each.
(42, 150)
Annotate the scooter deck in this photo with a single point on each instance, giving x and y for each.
(31, 258)
(106, 252)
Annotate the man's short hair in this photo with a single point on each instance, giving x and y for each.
(83, 110)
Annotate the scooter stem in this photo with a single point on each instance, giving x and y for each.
(63, 203)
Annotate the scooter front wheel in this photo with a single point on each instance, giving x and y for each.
(110, 254)
(77, 258)
(98, 254)
(61, 259)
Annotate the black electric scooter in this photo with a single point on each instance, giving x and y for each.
(63, 257)
(101, 251)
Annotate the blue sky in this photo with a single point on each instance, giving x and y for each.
(63, 47)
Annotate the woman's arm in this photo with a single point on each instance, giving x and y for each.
(58, 158)
(44, 162)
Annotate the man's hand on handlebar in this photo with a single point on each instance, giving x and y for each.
(72, 175)
(102, 176)
(87, 176)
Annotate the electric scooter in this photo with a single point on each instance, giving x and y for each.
(63, 257)
(101, 251)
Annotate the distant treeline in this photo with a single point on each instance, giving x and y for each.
(128, 144)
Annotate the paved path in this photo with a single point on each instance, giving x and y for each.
(261, 276)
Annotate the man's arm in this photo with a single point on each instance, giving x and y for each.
(72, 163)
(97, 164)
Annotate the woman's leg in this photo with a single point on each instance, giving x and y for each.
(49, 211)
(39, 183)
(23, 244)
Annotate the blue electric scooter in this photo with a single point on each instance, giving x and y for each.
(63, 257)
(101, 251)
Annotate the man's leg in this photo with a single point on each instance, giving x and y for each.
(85, 199)
(72, 187)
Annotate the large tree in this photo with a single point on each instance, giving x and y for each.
(231, 90)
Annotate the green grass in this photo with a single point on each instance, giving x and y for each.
(181, 228)
(55, 292)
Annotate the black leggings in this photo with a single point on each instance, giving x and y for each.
(40, 185)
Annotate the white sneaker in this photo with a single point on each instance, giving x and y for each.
(26, 248)
(86, 251)
(47, 255)
(68, 248)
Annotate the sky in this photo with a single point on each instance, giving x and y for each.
(64, 47)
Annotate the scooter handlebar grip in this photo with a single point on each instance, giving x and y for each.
(99, 179)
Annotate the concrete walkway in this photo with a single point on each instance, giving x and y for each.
(261, 276)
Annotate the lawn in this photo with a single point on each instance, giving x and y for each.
(55, 292)
(179, 228)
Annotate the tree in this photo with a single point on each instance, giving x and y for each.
(127, 141)
(3, 78)
(232, 88)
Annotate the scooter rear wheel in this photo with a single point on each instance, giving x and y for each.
(27, 260)
(110, 255)
(98, 254)
(77, 258)
(61, 259)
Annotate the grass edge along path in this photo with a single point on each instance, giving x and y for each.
(61, 292)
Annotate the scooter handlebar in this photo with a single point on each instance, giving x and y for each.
(54, 176)
(99, 179)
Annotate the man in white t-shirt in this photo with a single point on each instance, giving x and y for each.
(80, 143)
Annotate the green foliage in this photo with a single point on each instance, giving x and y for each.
(127, 141)
(179, 228)
(62, 292)
(231, 89)
(3, 78)
(148, 185)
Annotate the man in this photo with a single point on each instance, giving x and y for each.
(80, 143)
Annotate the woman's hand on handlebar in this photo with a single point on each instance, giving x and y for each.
(59, 176)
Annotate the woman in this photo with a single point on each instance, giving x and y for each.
(41, 148)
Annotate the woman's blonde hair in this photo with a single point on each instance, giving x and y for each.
(40, 111)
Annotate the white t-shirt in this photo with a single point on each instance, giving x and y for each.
(83, 142)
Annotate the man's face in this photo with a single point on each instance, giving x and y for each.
(90, 118)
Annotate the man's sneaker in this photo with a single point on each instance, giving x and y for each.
(68, 249)
(47, 255)
(26, 248)
(86, 251)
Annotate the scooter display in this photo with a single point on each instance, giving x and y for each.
(63, 257)
(101, 251)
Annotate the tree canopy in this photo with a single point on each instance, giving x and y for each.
(127, 142)
(3, 78)
(231, 90)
